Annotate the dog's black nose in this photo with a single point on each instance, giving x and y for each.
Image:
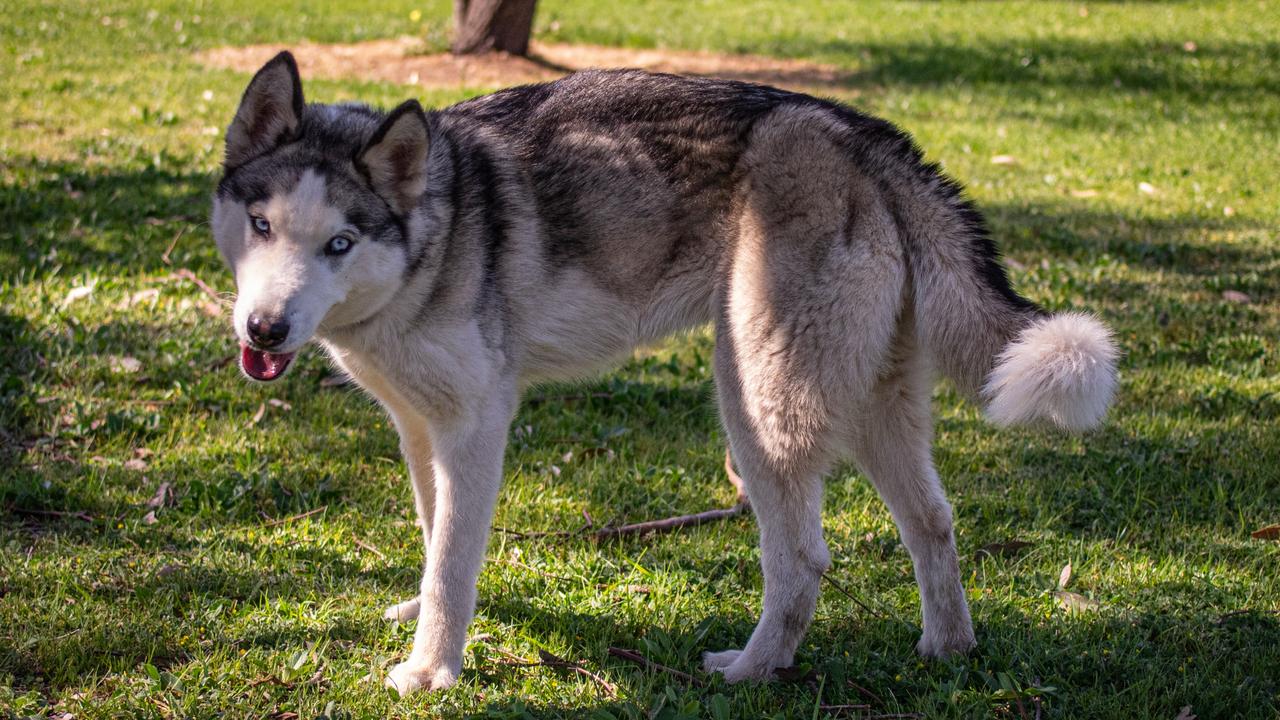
(267, 334)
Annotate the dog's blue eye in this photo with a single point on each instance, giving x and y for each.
(260, 224)
(337, 246)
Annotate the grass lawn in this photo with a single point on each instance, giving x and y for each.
(1142, 181)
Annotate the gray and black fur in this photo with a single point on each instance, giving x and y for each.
(543, 232)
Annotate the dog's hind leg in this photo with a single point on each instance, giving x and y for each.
(894, 451)
(793, 556)
(781, 473)
(812, 285)
(415, 444)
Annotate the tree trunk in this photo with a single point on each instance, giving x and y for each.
(480, 26)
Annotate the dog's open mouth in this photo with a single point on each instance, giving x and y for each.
(262, 365)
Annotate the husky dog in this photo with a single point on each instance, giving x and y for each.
(448, 259)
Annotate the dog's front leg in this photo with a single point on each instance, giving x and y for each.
(415, 445)
(468, 470)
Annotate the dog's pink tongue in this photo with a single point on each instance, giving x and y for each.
(262, 365)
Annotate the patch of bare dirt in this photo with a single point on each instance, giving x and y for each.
(401, 61)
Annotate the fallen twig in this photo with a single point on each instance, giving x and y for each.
(1240, 613)
(842, 709)
(543, 573)
(572, 396)
(637, 658)
(669, 524)
(558, 662)
(165, 257)
(648, 527)
(79, 514)
(299, 516)
(741, 505)
(366, 546)
(187, 274)
(521, 535)
(850, 595)
(546, 659)
(270, 680)
(864, 691)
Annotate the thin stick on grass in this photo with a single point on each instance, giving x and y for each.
(543, 573)
(851, 596)
(668, 524)
(740, 506)
(366, 546)
(187, 274)
(547, 659)
(843, 709)
(78, 514)
(637, 658)
(165, 257)
(551, 660)
(651, 527)
(299, 516)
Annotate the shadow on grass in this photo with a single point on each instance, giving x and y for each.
(70, 220)
(1225, 661)
(61, 217)
(1179, 244)
(1234, 72)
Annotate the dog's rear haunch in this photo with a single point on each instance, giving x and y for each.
(448, 259)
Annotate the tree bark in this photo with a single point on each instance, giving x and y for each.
(481, 26)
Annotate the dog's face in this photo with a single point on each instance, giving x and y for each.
(311, 213)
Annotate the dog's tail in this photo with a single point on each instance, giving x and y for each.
(1021, 362)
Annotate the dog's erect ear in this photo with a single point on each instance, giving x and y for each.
(395, 158)
(269, 113)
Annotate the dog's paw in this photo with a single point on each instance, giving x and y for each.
(405, 678)
(402, 612)
(714, 662)
(946, 644)
(738, 666)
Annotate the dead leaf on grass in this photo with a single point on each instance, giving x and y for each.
(1064, 577)
(163, 496)
(1075, 602)
(1270, 532)
(257, 417)
(135, 464)
(1185, 713)
(76, 293)
(1236, 296)
(140, 297)
(126, 364)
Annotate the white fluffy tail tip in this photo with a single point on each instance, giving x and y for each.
(1061, 369)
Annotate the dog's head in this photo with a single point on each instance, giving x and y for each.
(311, 213)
